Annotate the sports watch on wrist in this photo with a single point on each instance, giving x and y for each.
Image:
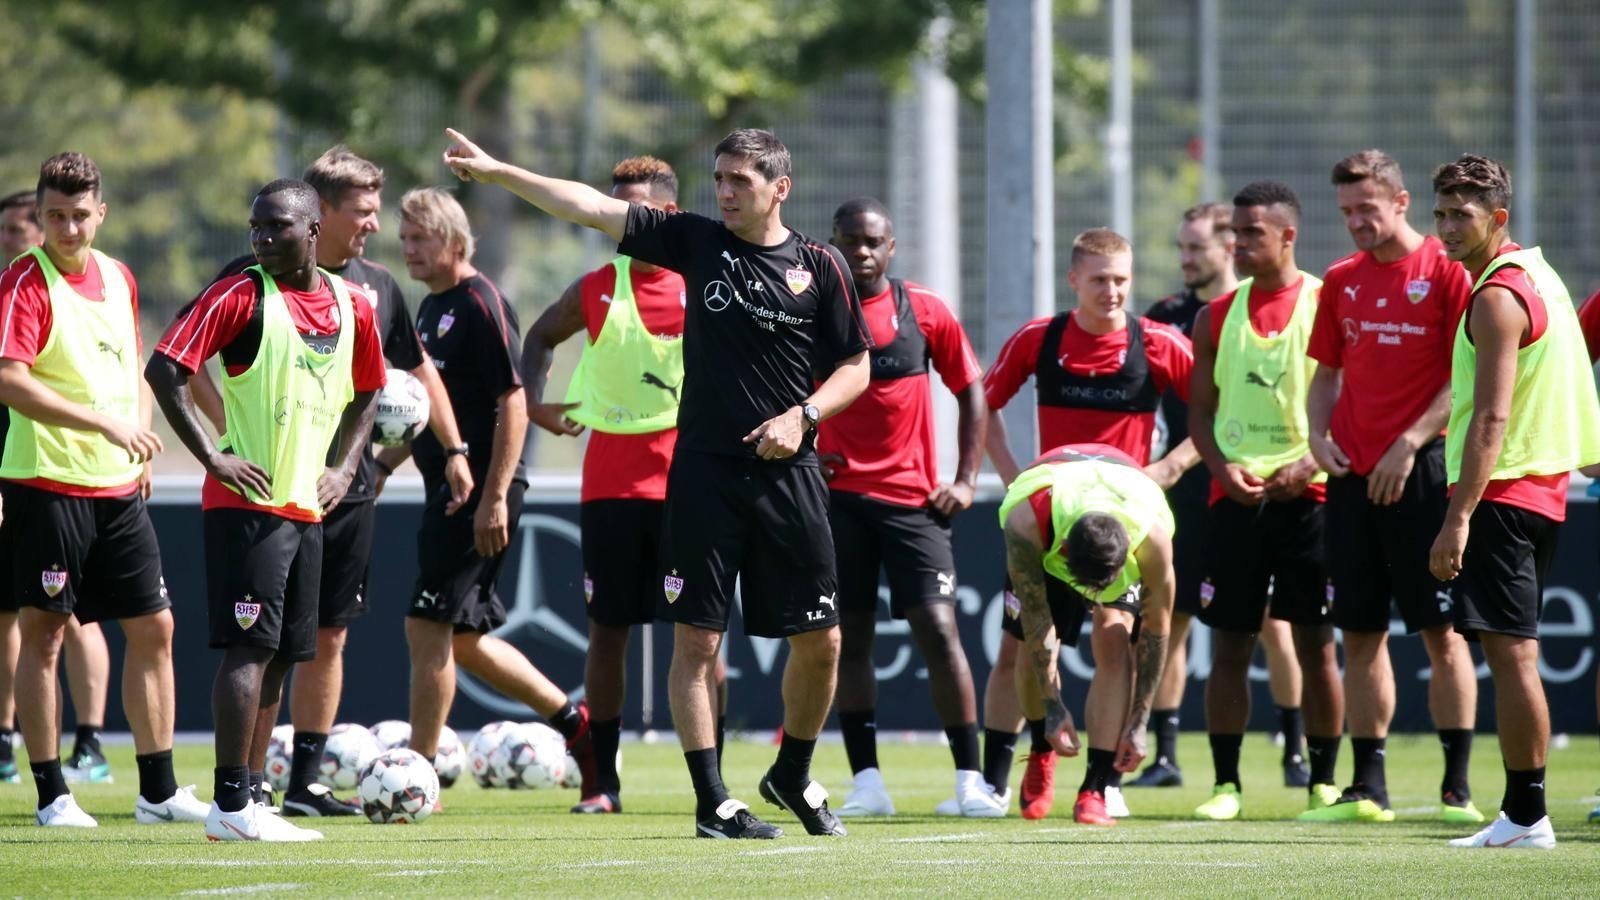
(810, 415)
(456, 451)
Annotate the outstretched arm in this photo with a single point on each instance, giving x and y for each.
(570, 200)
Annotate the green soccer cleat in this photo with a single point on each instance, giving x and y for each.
(1322, 795)
(87, 767)
(9, 773)
(1353, 810)
(1225, 804)
(1459, 812)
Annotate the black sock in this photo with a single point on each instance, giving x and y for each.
(157, 783)
(1041, 741)
(792, 771)
(87, 740)
(568, 721)
(1114, 780)
(1225, 758)
(48, 779)
(258, 789)
(1099, 772)
(1294, 735)
(606, 736)
(232, 789)
(6, 753)
(1524, 803)
(306, 761)
(1324, 755)
(860, 730)
(1457, 746)
(999, 752)
(722, 732)
(1369, 770)
(708, 790)
(1166, 736)
(964, 746)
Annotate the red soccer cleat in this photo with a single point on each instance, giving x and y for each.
(581, 746)
(1039, 785)
(1091, 810)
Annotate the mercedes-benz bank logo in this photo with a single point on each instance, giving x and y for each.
(718, 295)
(528, 618)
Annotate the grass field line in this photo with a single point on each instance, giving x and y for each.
(781, 851)
(939, 838)
(602, 864)
(416, 873)
(233, 863)
(245, 889)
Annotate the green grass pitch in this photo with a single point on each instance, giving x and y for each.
(526, 843)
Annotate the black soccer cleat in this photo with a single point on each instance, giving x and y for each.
(734, 821)
(1295, 773)
(810, 806)
(599, 804)
(317, 801)
(1159, 774)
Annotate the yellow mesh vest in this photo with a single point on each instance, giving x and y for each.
(628, 380)
(92, 359)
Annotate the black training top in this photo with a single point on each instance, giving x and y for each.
(758, 322)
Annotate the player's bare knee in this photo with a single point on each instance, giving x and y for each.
(150, 635)
(819, 648)
(696, 645)
(331, 641)
(1362, 647)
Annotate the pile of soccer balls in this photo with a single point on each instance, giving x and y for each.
(396, 785)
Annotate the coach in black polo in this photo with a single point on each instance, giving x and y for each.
(766, 308)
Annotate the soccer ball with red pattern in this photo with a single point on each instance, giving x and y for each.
(349, 749)
(526, 758)
(398, 787)
(280, 757)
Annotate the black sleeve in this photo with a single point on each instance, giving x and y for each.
(841, 329)
(401, 347)
(500, 350)
(661, 238)
(234, 267)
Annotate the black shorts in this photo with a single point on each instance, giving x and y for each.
(1189, 512)
(94, 557)
(764, 524)
(346, 555)
(263, 575)
(1068, 608)
(910, 543)
(454, 584)
(8, 542)
(1380, 552)
(1501, 586)
(621, 559)
(1253, 547)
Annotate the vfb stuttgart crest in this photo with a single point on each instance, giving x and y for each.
(797, 279)
(53, 579)
(672, 586)
(445, 321)
(1417, 290)
(246, 612)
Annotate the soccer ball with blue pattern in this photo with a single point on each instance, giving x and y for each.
(398, 787)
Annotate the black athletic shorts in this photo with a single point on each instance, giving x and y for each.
(1378, 552)
(764, 524)
(1253, 547)
(910, 543)
(1501, 585)
(346, 555)
(621, 559)
(94, 557)
(8, 541)
(454, 584)
(263, 575)
(1068, 608)
(1189, 512)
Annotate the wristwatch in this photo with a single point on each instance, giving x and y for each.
(810, 415)
(455, 451)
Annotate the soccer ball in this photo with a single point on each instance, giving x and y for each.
(524, 758)
(402, 410)
(478, 752)
(280, 757)
(398, 787)
(392, 733)
(349, 749)
(572, 773)
(451, 760)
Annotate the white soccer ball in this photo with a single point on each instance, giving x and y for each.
(398, 787)
(525, 758)
(572, 773)
(451, 760)
(349, 749)
(402, 410)
(280, 757)
(479, 751)
(392, 733)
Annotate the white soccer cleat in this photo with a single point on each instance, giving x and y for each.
(1504, 834)
(868, 796)
(976, 799)
(254, 823)
(180, 807)
(1116, 804)
(64, 812)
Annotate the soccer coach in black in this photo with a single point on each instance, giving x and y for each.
(766, 307)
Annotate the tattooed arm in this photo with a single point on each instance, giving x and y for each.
(1154, 556)
(1024, 556)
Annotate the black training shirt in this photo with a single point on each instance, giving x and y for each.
(758, 322)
